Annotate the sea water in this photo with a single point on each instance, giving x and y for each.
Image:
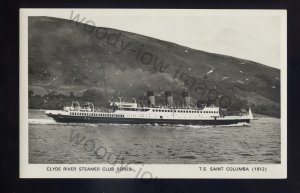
(75, 143)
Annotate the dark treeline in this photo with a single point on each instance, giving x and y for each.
(54, 100)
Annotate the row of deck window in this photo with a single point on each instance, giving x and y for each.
(183, 111)
(133, 109)
(96, 114)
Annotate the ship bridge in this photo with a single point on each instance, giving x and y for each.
(124, 104)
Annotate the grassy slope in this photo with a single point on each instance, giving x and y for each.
(64, 57)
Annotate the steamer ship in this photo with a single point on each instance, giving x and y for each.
(122, 112)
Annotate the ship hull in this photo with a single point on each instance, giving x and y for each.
(82, 119)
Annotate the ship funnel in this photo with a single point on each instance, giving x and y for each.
(186, 99)
(150, 98)
(169, 98)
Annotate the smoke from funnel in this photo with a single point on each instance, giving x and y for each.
(169, 98)
(186, 99)
(151, 98)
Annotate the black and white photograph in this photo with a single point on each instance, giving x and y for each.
(151, 93)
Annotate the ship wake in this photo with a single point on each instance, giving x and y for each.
(42, 121)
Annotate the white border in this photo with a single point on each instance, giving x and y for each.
(274, 171)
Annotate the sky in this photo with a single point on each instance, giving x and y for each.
(243, 37)
(253, 35)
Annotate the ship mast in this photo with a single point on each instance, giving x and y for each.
(104, 77)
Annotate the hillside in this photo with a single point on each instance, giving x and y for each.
(67, 56)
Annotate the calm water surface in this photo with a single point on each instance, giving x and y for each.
(51, 142)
